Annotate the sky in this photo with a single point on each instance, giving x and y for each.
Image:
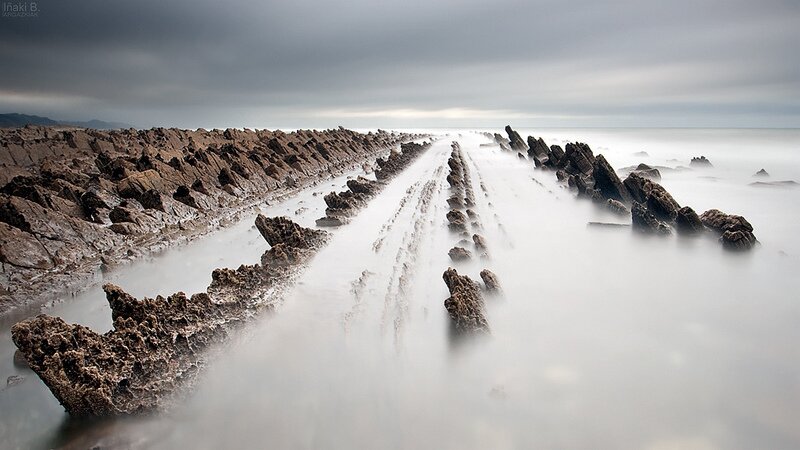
(409, 63)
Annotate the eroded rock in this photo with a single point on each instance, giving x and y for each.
(465, 305)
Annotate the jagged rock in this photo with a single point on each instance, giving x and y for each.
(480, 242)
(562, 175)
(490, 281)
(458, 254)
(688, 222)
(653, 195)
(281, 230)
(617, 207)
(648, 172)
(578, 159)
(457, 220)
(455, 202)
(644, 221)
(700, 161)
(720, 222)
(738, 240)
(555, 156)
(761, 173)
(515, 140)
(538, 150)
(735, 232)
(120, 215)
(60, 166)
(364, 186)
(465, 304)
(132, 369)
(607, 181)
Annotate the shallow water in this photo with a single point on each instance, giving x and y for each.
(603, 339)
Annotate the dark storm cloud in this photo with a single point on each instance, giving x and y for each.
(396, 63)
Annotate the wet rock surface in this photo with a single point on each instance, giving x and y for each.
(490, 281)
(465, 306)
(735, 231)
(59, 188)
(688, 222)
(645, 221)
(157, 346)
(607, 181)
(458, 254)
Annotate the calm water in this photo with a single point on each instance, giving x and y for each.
(604, 339)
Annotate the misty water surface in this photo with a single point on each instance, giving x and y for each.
(603, 339)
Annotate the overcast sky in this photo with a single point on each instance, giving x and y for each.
(387, 63)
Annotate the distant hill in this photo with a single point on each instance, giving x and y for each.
(14, 120)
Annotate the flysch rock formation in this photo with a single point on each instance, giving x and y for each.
(156, 347)
(72, 199)
(345, 204)
(465, 306)
(651, 207)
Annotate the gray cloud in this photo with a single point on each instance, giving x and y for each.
(407, 63)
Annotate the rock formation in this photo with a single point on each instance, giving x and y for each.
(156, 346)
(490, 281)
(515, 140)
(465, 304)
(735, 232)
(71, 196)
(700, 161)
(688, 222)
(644, 221)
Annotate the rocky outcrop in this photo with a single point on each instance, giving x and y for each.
(458, 254)
(617, 207)
(647, 172)
(345, 204)
(397, 161)
(700, 161)
(644, 221)
(607, 181)
(63, 188)
(578, 159)
(490, 281)
(515, 140)
(465, 306)
(761, 173)
(156, 347)
(735, 232)
(538, 151)
(688, 222)
(653, 195)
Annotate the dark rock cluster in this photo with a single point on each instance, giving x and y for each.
(465, 305)
(70, 196)
(652, 208)
(156, 346)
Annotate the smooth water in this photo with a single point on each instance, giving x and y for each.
(603, 339)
